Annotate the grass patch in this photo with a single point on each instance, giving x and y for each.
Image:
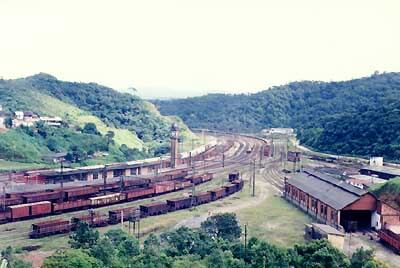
(6, 166)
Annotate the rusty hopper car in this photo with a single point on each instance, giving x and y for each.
(164, 187)
(239, 184)
(44, 196)
(70, 205)
(114, 216)
(139, 193)
(391, 238)
(5, 202)
(106, 199)
(47, 228)
(79, 192)
(230, 189)
(196, 180)
(203, 198)
(207, 177)
(218, 193)
(233, 176)
(179, 203)
(154, 209)
(5, 216)
(179, 185)
(135, 183)
(93, 219)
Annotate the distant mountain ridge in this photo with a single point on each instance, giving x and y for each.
(355, 117)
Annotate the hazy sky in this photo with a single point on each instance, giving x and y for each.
(179, 48)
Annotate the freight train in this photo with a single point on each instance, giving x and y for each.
(93, 219)
(21, 206)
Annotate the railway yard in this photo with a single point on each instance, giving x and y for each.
(165, 198)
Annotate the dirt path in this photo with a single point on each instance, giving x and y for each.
(235, 204)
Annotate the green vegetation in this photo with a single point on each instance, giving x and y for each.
(132, 127)
(388, 192)
(185, 247)
(356, 117)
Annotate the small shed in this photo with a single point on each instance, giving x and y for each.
(323, 231)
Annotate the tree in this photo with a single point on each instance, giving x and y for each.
(8, 122)
(224, 225)
(364, 258)
(83, 237)
(104, 251)
(110, 136)
(90, 128)
(13, 262)
(71, 258)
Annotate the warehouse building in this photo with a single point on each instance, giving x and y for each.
(331, 201)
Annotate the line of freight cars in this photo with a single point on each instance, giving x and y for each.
(32, 205)
(58, 226)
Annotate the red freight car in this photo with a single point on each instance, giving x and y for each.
(47, 228)
(179, 203)
(233, 176)
(79, 192)
(138, 193)
(106, 199)
(230, 188)
(114, 216)
(19, 211)
(218, 193)
(40, 208)
(179, 185)
(207, 177)
(390, 238)
(93, 219)
(70, 205)
(202, 198)
(44, 196)
(154, 209)
(164, 187)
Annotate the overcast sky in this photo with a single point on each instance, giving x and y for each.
(180, 48)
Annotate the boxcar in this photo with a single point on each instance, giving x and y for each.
(179, 203)
(40, 208)
(391, 239)
(138, 193)
(79, 192)
(203, 197)
(114, 216)
(233, 176)
(70, 205)
(44, 196)
(218, 193)
(47, 228)
(154, 209)
(106, 199)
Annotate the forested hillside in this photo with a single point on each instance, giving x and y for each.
(356, 117)
(125, 127)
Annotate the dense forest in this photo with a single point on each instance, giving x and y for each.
(216, 244)
(123, 126)
(355, 117)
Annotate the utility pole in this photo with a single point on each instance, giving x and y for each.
(261, 155)
(245, 240)
(223, 159)
(4, 197)
(62, 180)
(254, 177)
(104, 179)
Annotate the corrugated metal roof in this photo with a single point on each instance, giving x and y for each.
(383, 169)
(332, 192)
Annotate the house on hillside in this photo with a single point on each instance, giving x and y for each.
(26, 118)
(53, 121)
(331, 201)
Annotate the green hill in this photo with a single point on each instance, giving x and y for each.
(356, 117)
(139, 130)
(388, 192)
